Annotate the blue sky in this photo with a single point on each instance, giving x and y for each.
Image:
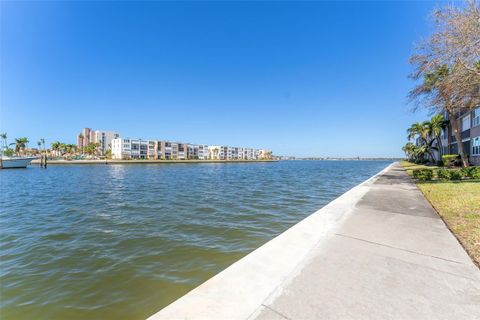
(300, 78)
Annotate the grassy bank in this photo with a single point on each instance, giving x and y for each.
(458, 203)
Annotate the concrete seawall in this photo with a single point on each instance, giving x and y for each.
(378, 251)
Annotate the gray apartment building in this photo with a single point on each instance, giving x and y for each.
(469, 125)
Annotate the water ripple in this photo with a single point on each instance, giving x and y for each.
(122, 241)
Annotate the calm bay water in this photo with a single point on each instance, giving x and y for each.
(123, 241)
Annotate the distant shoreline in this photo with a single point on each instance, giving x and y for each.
(106, 162)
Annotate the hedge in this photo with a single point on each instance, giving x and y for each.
(423, 174)
(456, 175)
(471, 172)
(443, 174)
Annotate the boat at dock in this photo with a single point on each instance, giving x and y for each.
(15, 162)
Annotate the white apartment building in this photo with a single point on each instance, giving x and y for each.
(199, 152)
(249, 154)
(235, 153)
(203, 152)
(126, 148)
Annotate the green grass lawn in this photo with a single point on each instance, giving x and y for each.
(458, 203)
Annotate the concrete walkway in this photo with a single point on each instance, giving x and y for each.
(379, 251)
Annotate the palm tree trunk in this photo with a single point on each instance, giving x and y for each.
(458, 137)
(440, 147)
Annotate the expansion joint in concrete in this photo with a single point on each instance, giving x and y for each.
(396, 248)
(275, 311)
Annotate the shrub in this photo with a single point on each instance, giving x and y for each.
(443, 174)
(450, 160)
(8, 152)
(455, 175)
(423, 174)
(475, 173)
(471, 172)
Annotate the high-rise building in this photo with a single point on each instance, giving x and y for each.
(103, 138)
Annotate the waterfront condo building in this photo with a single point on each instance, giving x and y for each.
(216, 153)
(83, 138)
(165, 150)
(182, 151)
(126, 148)
(192, 151)
(249, 153)
(103, 138)
(469, 126)
(203, 152)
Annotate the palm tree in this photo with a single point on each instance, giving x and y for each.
(409, 150)
(3, 136)
(20, 144)
(425, 132)
(81, 140)
(87, 149)
(418, 129)
(56, 146)
(436, 125)
(97, 148)
(90, 148)
(70, 148)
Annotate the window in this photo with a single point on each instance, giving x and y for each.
(476, 116)
(476, 146)
(466, 123)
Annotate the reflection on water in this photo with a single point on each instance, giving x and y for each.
(122, 241)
